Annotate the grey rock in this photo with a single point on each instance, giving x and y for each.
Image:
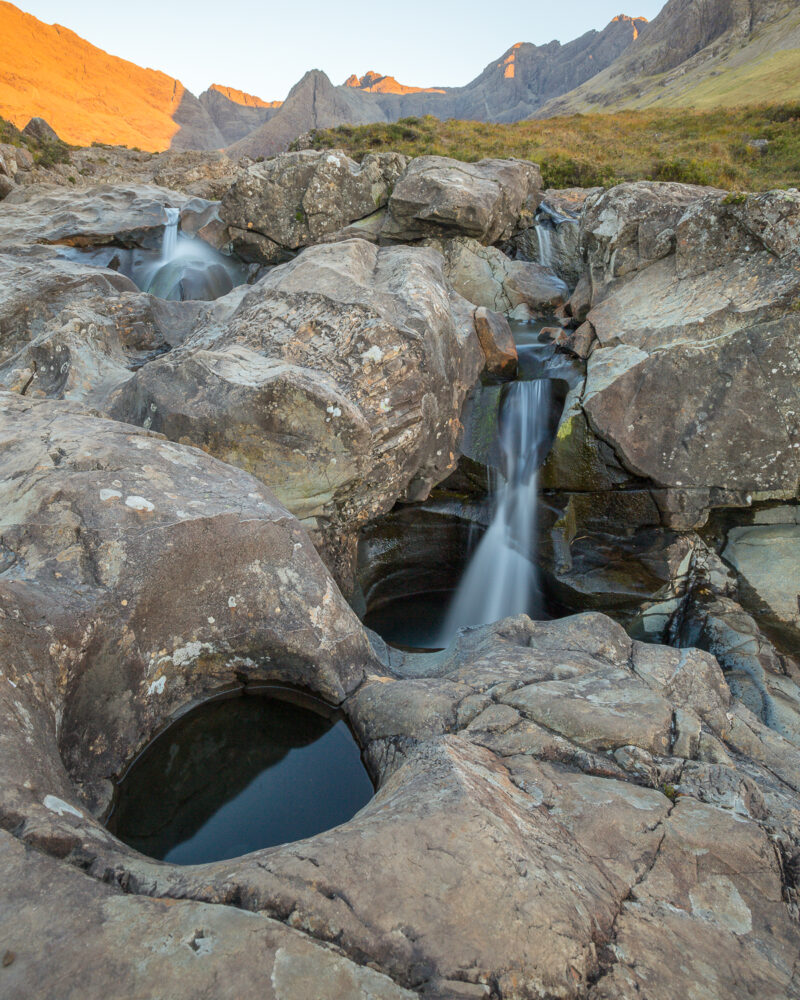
(298, 199)
(437, 196)
(338, 380)
(486, 277)
(38, 128)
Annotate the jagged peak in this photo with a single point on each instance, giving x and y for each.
(378, 83)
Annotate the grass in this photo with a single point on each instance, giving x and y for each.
(45, 154)
(695, 147)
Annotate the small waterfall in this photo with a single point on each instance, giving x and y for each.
(187, 268)
(170, 243)
(544, 236)
(501, 578)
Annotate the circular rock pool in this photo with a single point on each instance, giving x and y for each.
(239, 774)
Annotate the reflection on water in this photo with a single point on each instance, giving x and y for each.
(237, 775)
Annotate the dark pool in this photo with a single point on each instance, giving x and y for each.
(240, 774)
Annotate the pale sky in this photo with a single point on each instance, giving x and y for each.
(265, 47)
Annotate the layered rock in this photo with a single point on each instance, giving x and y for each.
(338, 380)
(129, 216)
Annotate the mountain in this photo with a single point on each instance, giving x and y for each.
(700, 53)
(235, 113)
(87, 95)
(509, 89)
(312, 103)
(375, 83)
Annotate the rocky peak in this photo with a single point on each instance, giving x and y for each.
(377, 83)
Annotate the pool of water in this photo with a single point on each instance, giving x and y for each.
(240, 774)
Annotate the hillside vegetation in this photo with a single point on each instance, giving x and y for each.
(720, 147)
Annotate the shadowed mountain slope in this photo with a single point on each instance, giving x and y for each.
(235, 113)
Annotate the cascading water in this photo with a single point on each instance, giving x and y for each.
(544, 236)
(170, 244)
(501, 579)
(188, 268)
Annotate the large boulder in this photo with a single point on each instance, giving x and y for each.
(632, 225)
(487, 201)
(137, 574)
(693, 382)
(338, 380)
(42, 131)
(298, 199)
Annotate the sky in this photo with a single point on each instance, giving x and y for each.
(263, 47)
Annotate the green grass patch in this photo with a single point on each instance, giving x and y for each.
(695, 147)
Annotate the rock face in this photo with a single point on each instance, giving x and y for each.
(693, 53)
(312, 103)
(298, 199)
(338, 380)
(724, 305)
(511, 88)
(437, 196)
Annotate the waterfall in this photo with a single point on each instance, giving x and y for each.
(187, 268)
(501, 578)
(170, 242)
(544, 236)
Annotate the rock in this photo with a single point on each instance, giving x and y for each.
(298, 199)
(565, 842)
(132, 216)
(128, 518)
(338, 380)
(255, 956)
(497, 343)
(487, 200)
(201, 218)
(312, 103)
(632, 225)
(37, 128)
(579, 342)
(6, 186)
(668, 328)
(486, 277)
(70, 330)
(767, 559)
